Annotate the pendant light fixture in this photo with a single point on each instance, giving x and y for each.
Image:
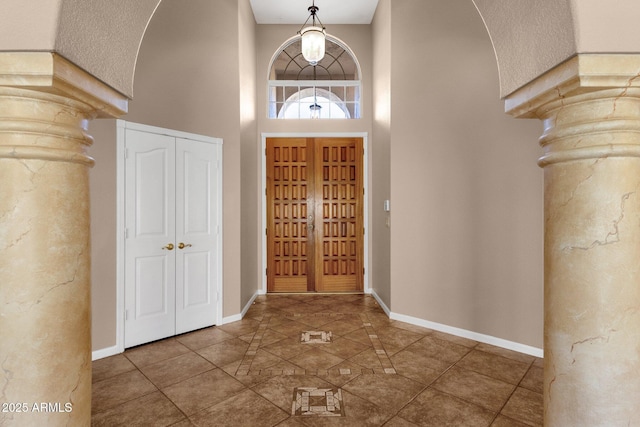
(312, 37)
(315, 110)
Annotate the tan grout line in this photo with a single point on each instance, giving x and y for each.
(498, 413)
(427, 386)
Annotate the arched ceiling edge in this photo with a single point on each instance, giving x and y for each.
(104, 37)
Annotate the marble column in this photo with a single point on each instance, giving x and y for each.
(46, 104)
(590, 107)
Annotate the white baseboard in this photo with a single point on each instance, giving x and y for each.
(248, 304)
(381, 303)
(232, 318)
(106, 352)
(486, 339)
(239, 316)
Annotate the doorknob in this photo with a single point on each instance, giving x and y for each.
(169, 247)
(182, 245)
(310, 222)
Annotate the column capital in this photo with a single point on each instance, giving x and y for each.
(590, 107)
(580, 74)
(51, 73)
(46, 103)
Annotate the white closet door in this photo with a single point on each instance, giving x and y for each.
(197, 231)
(149, 237)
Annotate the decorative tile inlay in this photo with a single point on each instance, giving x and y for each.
(319, 402)
(387, 366)
(315, 337)
(245, 365)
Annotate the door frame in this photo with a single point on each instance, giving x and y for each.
(121, 126)
(365, 200)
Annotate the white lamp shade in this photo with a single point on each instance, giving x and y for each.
(312, 43)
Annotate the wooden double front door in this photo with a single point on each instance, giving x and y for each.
(315, 222)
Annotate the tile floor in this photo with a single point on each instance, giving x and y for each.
(273, 367)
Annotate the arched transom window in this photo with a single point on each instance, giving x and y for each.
(328, 90)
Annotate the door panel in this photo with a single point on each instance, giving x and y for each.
(197, 230)
(194, 168)
(288, 188)
(339, 227)
(150, 225)
(314, 210)
(152, 280)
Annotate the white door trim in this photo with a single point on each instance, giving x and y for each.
(121, 126)
(365, 183)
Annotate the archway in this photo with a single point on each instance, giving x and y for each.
(82, 77)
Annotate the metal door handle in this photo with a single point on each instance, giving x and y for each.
(169, 247)
(310, 222)
(182, 245)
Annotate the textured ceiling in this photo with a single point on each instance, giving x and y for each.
(330, 11)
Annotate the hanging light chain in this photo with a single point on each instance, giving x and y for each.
(313, 10)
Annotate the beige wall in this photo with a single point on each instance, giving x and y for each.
(29, 24)
(610, 26)
(380, 150)
(103, 233)
(466, 194)
(250, 160)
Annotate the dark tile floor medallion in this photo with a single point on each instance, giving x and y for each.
(318, 402)
(315, 337)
